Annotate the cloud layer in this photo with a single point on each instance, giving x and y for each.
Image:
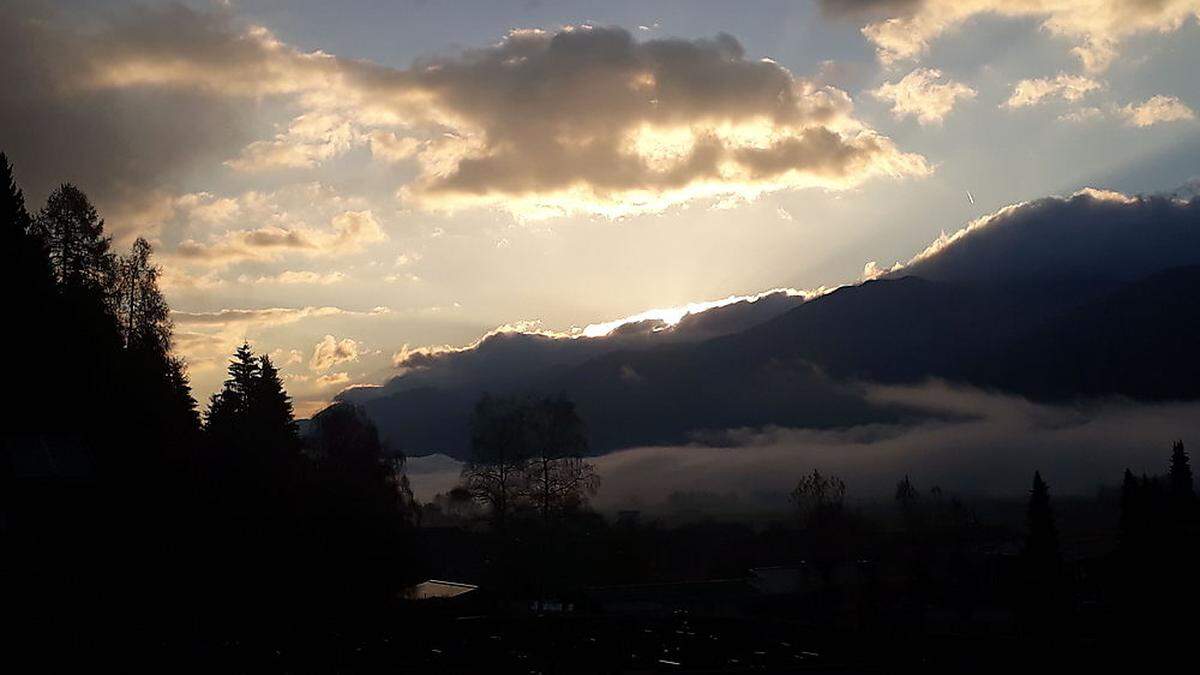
(904, 29)
(980, 444)
(991, 447)
(582, 119)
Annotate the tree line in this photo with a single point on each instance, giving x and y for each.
(119, 493)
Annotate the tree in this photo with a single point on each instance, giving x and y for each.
(1179, 476)
(24, 252)
(1131, 511)
(26, 274)
(142, 312)
(556, 476)
(1041, 545)
(528, 451)
(495, 472)
(818, 499)
(907, 498)
(14, 218)
(229, 408)
(270, 411)
(79, 253)
(345, 448)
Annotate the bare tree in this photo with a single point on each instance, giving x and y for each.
(495, 473)
(528, 452)
(557, 478)
(818, 498)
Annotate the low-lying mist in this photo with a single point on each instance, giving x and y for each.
(982, 444)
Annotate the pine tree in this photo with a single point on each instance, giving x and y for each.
(228, 409)
(1131, 512)
(1041, 546)
(1179, 476)
(26, 274)
(270, 410)
(16, 224)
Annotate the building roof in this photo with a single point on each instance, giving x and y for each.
(434, 588)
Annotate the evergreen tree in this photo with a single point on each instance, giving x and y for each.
(1041, 546)
(269, 403)
(24, 254)
(1130, 510)
(275, 436)
(26, 273)
(228, 409)
(14, 217)
(1179, 476)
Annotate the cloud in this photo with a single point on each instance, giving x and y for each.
(290, 277)
(389, 147)
(974, 442)
(1155, 110)
(1093, 234)
(139, 142)
(330, 352)
(920, 95)
(288, 357)
(309, 140)
(621, 126)
(206, 339)
(333, 380)
(1068, 87)
(349, 231)
(578, 120)
(903, 30)
(272, 316)
(1081, 115)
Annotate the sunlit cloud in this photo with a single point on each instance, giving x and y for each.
(347, 232)
(1095, 29)
(670, 316)
(617, 126)
(291, 277)
(1156, 110)
(310, 139)
(330, 352)
(1068, 87)
(389, 147)
(332, 380)
(1081, 115)
(920, 94)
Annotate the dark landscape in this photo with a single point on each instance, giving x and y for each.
(263, 416)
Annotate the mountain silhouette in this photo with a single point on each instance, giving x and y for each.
(1054, 300)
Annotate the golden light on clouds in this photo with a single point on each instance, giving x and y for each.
(585, 120)
(1095, 29)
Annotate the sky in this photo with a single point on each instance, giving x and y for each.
(341, 182)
